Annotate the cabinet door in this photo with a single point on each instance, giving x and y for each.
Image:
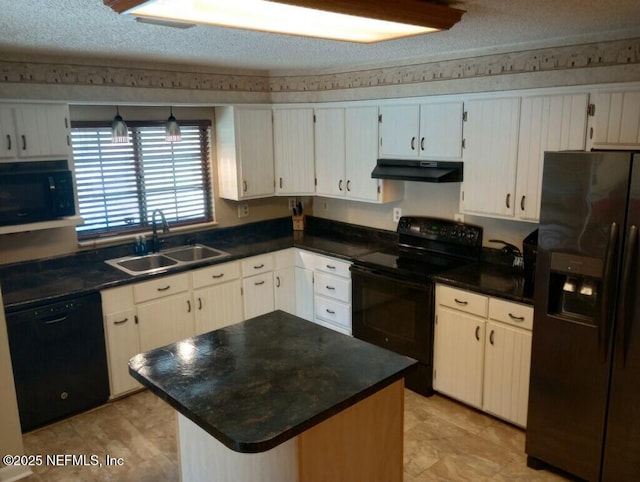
(490, 156)
(42, 130)
(361, 153)
(458, 355)
(304, 293)
(257, 293)
(399, 131)
(8, 144)
(506, 372)
(165, 320)
(547, 123)
(254, 142)
(616, 120)
(284, 290)
(293, 140)
(217, 306)
(123, 342)
(330, 152)
(441, 130)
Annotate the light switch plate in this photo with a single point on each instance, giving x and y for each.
(397, 214)
(243, 210)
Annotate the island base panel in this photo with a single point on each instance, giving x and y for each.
(362, 443)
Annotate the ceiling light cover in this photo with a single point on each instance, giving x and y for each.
(362, 21)
(119, 129)
(172, 130)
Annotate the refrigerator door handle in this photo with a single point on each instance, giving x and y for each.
(623, 303)
(608, 278)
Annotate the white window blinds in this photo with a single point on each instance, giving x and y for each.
(120, 185)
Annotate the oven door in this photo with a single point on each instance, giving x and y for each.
(393, 313)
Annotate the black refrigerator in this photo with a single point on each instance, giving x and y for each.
(584, 399)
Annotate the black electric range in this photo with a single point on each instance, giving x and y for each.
(393, 290)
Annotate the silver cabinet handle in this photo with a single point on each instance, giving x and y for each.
(120, 322)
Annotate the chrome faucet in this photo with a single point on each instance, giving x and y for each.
(154, 228)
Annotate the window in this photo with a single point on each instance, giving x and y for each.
(120, 185)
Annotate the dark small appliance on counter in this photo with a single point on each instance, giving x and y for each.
(529, 252)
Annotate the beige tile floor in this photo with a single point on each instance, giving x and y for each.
(444, 441)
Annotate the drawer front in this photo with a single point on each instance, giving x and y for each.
(213, 275)
(334, 311)
(157, 288)
(332, 287)
(117, 299)
(333, 266)
(515, 314)
(257, 265)
(462, 300)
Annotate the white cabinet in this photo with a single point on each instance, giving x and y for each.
(547, 123)
(430, 130)
(165, 310)
(244, 144)
(284, 290)
(121, 337)
(330, 152)
(490, 156)
(257, 285)
(346, 154)
(34, 131)
(482, 352)
(614, 121)
(293, 140)
(217, 296)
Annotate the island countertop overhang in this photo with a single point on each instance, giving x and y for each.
(261, 382)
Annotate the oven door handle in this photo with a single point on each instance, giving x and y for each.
(364, 272)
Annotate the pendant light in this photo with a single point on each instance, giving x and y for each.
(172, 131)
(119, 129)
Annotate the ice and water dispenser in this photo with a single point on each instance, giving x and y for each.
(574, 287)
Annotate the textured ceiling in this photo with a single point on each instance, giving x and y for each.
(87, 28)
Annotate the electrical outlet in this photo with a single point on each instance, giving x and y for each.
(397, 214)
(243, 210)
(292, 203)
(458, 217)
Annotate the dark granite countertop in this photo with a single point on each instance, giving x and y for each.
(258, 383)
(490, 279)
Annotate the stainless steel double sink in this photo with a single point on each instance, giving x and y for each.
(171, 258)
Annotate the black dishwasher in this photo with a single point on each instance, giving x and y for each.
(59, 359)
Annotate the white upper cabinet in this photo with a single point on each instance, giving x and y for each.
(490, 156)
(34, 131)
(330, 152)
(244, 144)
(293, 140)
(614, 121)
(429, 131)
(547, 123)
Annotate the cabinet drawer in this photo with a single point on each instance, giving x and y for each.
(332, 287)
(334, 311)
(515, 314)
(213, 275)
(157, 288)
(332, 266)
(117, 299)
(462, 300)
(257, 265)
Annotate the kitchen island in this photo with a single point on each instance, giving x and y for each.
(278, 398)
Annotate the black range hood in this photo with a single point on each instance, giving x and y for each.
(416, 170)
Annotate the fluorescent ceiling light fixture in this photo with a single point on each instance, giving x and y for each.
(362, 21)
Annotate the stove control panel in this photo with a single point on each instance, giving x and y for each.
(443, 230)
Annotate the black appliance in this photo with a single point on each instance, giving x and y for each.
(32, 192)
(59, 359)
(393, 290)
(418, 170)
(529, 254)
(584, 398)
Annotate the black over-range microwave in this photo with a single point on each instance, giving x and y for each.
(29, 195)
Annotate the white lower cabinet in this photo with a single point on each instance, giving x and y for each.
(323, 290)
(257, 285)
(217, 296)
(284, 289)
(482, 352)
